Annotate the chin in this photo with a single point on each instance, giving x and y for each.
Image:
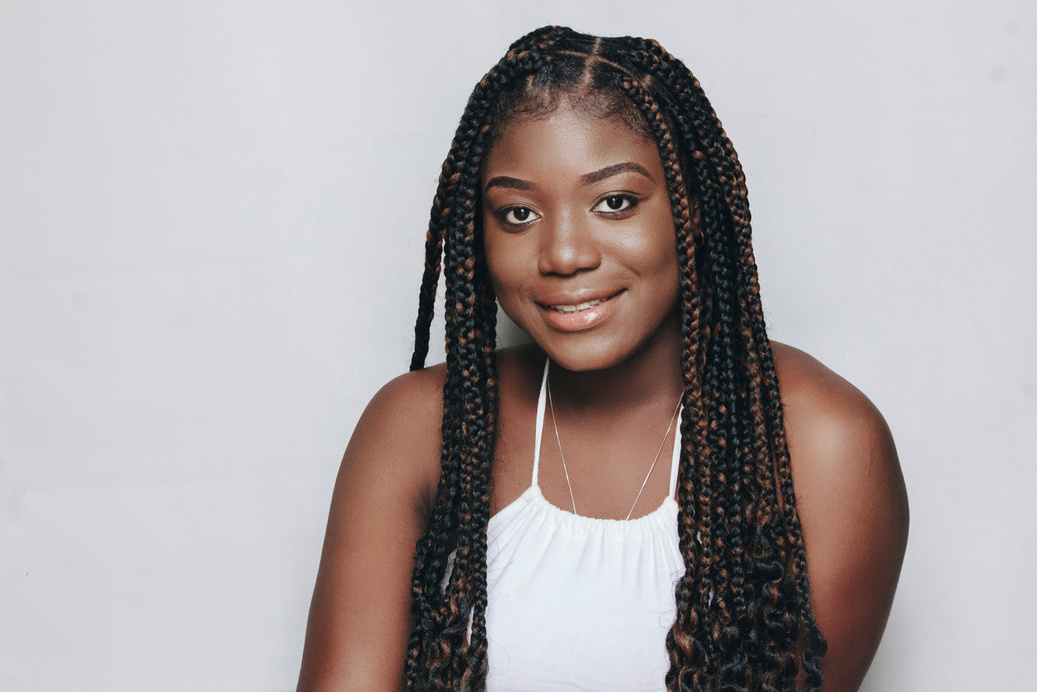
(584, 358)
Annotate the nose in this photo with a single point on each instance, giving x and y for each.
(568, 246)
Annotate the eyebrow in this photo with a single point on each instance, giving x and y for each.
(616, 169)
(505, 181)
(587, 179)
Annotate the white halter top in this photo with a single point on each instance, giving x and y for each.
(579, 603)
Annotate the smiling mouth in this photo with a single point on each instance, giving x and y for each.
(580, 307)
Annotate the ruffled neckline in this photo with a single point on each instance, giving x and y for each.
(533, 501)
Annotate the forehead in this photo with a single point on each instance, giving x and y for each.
(567, 141)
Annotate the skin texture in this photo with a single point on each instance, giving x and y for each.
(597, 225)
(560, 231)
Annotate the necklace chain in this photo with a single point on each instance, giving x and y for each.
(565, 469)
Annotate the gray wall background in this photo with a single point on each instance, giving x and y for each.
(211, 227)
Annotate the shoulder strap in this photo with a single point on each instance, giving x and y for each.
(541, 406)
(676, 461)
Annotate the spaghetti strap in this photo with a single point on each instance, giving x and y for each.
(541, 406)
(605, 575)
(675, 462)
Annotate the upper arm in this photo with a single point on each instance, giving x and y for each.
(360, 621)
(852, 505)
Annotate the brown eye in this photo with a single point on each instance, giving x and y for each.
(614, 204)
(518, 216)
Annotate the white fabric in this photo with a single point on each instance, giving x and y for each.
(579, 603)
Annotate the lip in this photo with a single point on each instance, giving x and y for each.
(578, 312)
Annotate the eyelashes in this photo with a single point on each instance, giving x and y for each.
(613, 205)
(517, 216)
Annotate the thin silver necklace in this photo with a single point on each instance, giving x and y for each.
(565, 469)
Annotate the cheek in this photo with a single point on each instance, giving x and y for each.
(655, 246)
(665, 242)
(505, 269)
(659, 263)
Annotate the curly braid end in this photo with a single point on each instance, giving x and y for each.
(743, 620)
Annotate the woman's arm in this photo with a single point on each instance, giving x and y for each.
(360, 621)
(852, 505)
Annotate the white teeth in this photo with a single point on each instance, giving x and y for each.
(577, 308)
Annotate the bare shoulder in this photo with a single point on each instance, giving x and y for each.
(399, 433)
(359, 622)
(853, 507)
(413, 396)
(834, 428)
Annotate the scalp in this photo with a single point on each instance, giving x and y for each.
(743, 605)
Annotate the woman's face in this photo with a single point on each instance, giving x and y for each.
(579, 237)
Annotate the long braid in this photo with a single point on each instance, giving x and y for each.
(766, 448)
(721, 540)
(759, 365)
(775, 426)
(449, 581)
(519, 58)
(715, 534)
(693, 654)
(743, 606)
(727, 433)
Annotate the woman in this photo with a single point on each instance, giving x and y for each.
(591, 190)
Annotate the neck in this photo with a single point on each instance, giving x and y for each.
(651, 377)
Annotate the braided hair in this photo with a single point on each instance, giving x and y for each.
(744, 619)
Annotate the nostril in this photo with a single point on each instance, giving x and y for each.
(569, 250)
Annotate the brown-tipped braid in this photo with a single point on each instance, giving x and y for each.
(449, 580)
(743, 620)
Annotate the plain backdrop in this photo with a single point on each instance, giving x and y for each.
(212, 217)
